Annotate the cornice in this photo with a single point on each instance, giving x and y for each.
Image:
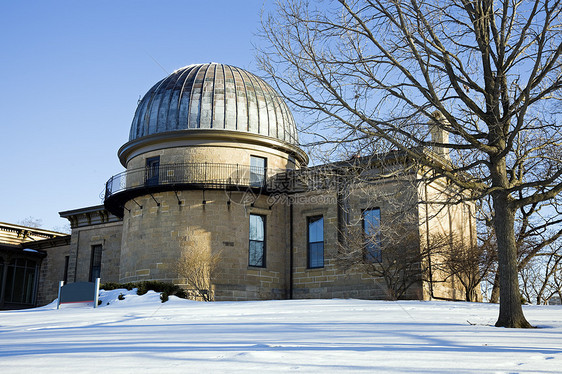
(193, 137)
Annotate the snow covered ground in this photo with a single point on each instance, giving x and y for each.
(140, 334)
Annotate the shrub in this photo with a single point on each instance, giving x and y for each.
(121, 296)
(114, 286)
(145, 286)
(197, 266)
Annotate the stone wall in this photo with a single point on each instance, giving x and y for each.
(157, 227)
(108, 235)
(218, 152)
(51, 273)
(342, 275)
(439, 222)
(154, 236)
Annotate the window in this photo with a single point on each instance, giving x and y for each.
(95, 263)
(315, 242)
(1, 276)
(65, 274)
(20, 281)
(371, 232)
(152, 171)
(257, 171)
(257, 241)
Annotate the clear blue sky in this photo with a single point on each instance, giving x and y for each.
(71, 74)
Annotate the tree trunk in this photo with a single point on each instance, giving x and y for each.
(511, 312)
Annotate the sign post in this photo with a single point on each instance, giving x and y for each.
(61, 283)
(97, 290)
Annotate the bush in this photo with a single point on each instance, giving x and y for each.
(114, 286)
(121, 296)
(164, 297)
(145, 286)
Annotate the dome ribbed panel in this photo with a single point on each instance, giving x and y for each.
(185, 99)
(196, 93)
(230, 105)
(218, 99)
(213, 96)
(253, 112)
(241, 102)
(174, 107)
(207, 92)
(261, 101)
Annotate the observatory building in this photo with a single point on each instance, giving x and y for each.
(213, 164)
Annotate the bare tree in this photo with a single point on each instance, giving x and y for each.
(537, 227)
(469, 263)
(540, 276)
(197, 266)
(400, 265)
(487, 73)
(387, 241)
(31, 222)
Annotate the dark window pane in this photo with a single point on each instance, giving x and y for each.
(29, 285)
(316, 229)
(152, 171)
(1, 273)
(371, 231)
(65, 275)
(371, 220)
(256, 256)
(95, 264)
(256, 227)
(257, 171)
(373, 254)
(20, 282)
(316, 255)
(315, 242)
(256, 253)
(17, 293)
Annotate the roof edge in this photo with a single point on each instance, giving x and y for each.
(128, 150)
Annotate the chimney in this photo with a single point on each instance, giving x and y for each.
(439, 134)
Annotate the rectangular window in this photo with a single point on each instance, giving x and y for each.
(95, 263)
(21, 278)
(372, 235)
(257, 171)
(315, 242)
(1, 275)
(65, 274)
(152, 171)
(257, 241)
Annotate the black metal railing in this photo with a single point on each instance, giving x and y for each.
(208, 175)
(202, 175)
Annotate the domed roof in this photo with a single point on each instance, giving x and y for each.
(215, 97)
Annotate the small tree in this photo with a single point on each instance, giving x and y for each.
(540, 278)
(197, 266)
(470, 264)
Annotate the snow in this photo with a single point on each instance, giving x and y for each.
(142, 335)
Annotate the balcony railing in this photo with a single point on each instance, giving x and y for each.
(199, 175)
(168, 177)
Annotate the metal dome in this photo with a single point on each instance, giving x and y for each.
(215, 97)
